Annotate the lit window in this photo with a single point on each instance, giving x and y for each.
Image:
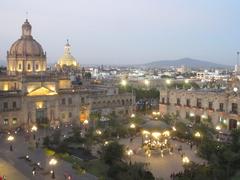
(5, 122)
(14, 121)
(37, 66)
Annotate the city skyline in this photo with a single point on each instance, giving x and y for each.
(126, 32)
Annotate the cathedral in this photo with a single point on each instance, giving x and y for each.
(32, 94)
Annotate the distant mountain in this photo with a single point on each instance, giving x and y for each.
(187, 62)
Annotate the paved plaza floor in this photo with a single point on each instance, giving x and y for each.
(162, 167)
(23, 169)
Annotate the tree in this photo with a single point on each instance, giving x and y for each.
(112, 152)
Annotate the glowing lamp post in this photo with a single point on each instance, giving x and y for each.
(129, 152)
(124, 82)
(132, 126)
(34, 129)
(98, 132)
(52, 163)
(185, 160)
(10, 139)
(133, 116)
(197, 135)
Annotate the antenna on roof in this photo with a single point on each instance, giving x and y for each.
(26, 15)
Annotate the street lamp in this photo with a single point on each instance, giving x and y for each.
(34, 129)
(185, 160)
(168, 81)
(186, 81)
(132, 126)
(10, 139)
(98, 132)
(197, 134)
(130, 153)
(124, 82)
(52, 163)
(218, 128)
(133, 116)
(146, 82)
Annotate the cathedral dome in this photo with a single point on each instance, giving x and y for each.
(67, 59)
(26, 45)
(26, 55)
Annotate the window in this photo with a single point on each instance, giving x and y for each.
(69, 100)
(63, 101)
(37, 66)
(69, 114)
(14, 120)
(163, 100)
(168, 100)
(234, 108)
(188, 102)
(29, 67)
(19, 66)
(221, 106)
(210, 105)
(178, 101)
(14, 104)
(5, 121)
(199, 103)
(63, 115)
(187, 115)
(82, 100)
(5, 105)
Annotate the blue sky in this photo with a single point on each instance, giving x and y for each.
(127, 31)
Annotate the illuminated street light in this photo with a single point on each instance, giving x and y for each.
(98, 132)
(191, 114)
(185, 160)
(106, 143)
(197, 134)
(34, 128)
(168, 81)
(10, 139)
(85, 122)
(52, 163)
(235, 89)
(146, 82)
(218, 128)
(129, 153)
(174, 129)
(124, 82)
(132, 126)
(186, 81)
(132, 115)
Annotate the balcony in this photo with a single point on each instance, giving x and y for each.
(9, 109)
(233, 112)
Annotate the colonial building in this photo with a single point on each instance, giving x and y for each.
(220, 107)
(30, 94)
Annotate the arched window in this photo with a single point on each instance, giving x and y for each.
(29, 67)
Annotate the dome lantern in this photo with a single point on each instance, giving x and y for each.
(26, 29)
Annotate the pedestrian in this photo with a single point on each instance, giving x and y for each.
(191, 145)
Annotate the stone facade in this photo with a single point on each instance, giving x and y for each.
(222, 107)
(29, 96)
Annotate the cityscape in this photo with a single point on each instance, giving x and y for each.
(108, 113)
